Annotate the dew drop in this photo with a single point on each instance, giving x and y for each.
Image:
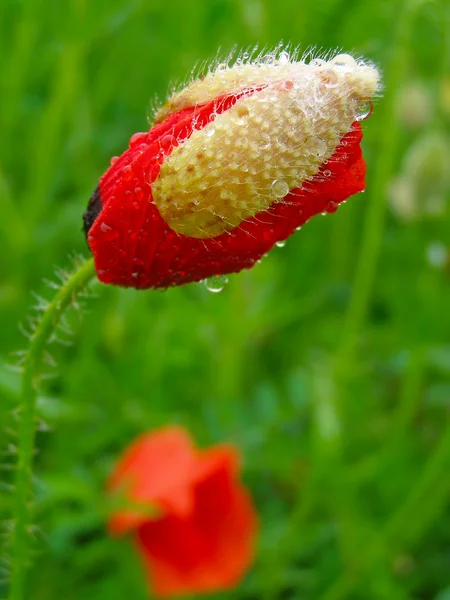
(216, 283)
(279, 188)
(280, 243)
(320, 146)
(284, 58)
(364, 111)
(298, 228)
(137, 138)
(332, 207)
(327, 173)
(109, 233)
(127, 173)
(329, 78)
(113, 160)
(344, 60)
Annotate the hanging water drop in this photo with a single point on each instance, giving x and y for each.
(364, 110)
(331, 207)
(280, 244)
(216, 283)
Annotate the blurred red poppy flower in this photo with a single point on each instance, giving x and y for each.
(193, 521)
(234, 162)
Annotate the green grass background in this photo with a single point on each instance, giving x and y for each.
(328, 363)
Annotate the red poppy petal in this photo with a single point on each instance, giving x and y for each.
(219, 457)
(158, 468)
(210, 550)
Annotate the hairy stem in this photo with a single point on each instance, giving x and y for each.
(27, 425)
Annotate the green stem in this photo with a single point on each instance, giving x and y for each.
(27, 426)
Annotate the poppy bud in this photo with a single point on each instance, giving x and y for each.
(235, 162)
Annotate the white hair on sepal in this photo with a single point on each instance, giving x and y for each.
(238, 62)
(153, 107)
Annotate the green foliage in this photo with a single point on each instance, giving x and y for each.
(328, 363)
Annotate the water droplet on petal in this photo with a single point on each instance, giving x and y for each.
(137, 138)
(344, 60)
(320, 146)
(279, 188)
(109, 233)
(280, 243)
(332, 207)
(364, 110)
(329, 78)
(216, 283)
(113, 160)
(127, 173)
(327, 173)
(265, 143)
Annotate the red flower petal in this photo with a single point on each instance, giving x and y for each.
(158, 468)
(208, 551)
(203, 539)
